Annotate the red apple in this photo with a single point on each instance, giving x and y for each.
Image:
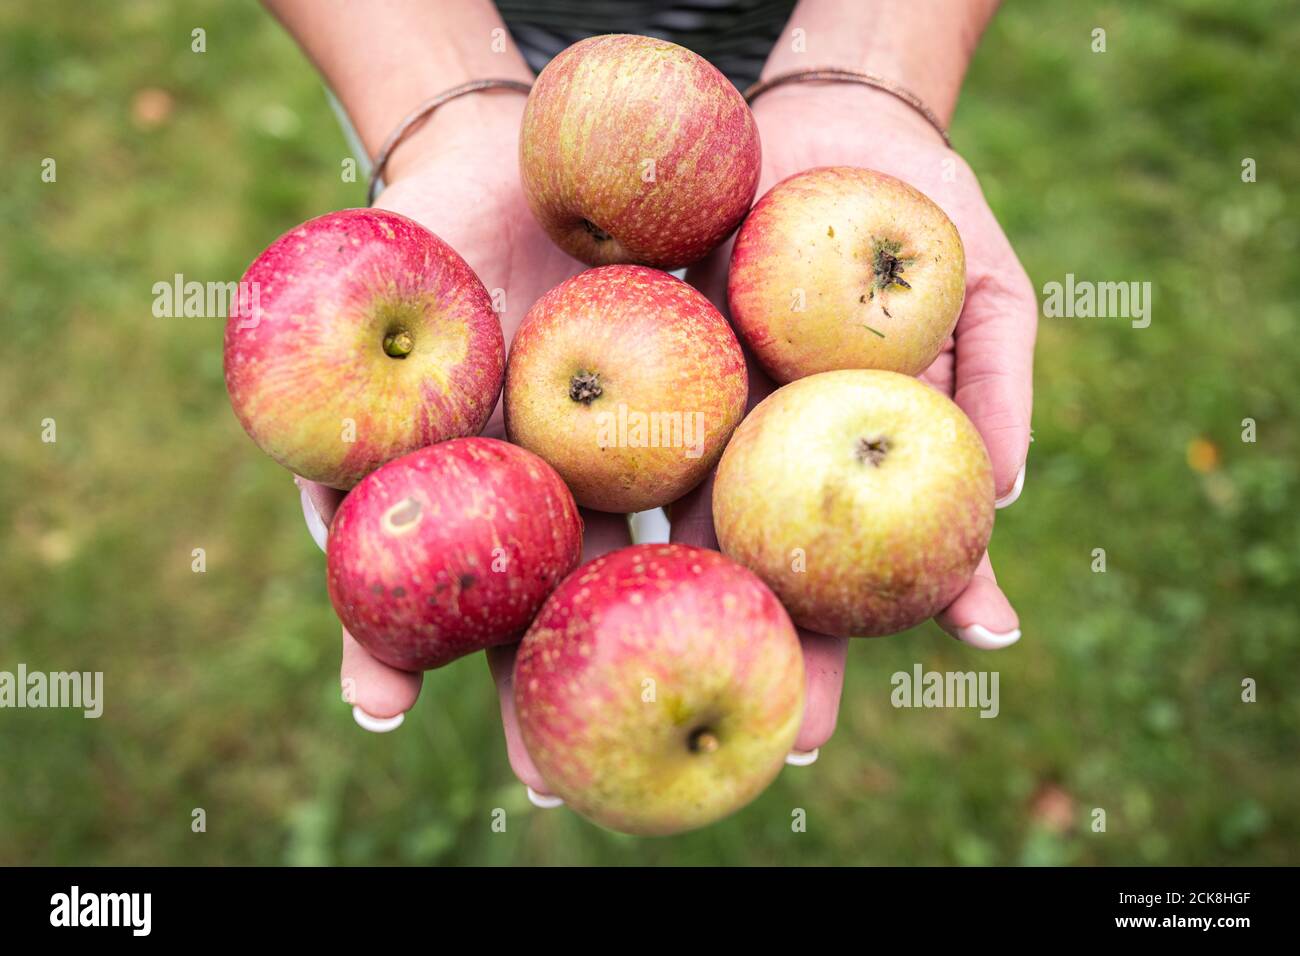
(370, 337)
(634, 149)
(660, 688)
(863, 498)
(629, 382)
(450, 549)
(841, 267)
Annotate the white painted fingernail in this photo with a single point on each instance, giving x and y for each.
(1010, 497)
(543, 801)
(977, 635)
(376, 725)
(315, 526)
(802, 758)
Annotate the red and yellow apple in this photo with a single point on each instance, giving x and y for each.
(839, 267)
(450, 549)
(659, 689)
(370, 338)
(636, 150)
(864, 499)
(629, 382)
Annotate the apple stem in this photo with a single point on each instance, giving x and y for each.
(600, 235)
(585, 387)
(398, 344)
(702, 741)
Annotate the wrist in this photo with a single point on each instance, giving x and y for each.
(492, 115)
(831, 103)
(382, 65)
(923, 46)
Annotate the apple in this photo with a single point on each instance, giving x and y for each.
(839, 267)
(370, 337)
(634, 149)
(659, 689)
(629, 382)
(863, 498)
(450, 549)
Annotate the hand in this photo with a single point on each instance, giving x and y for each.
(986, 366)
(465, 188)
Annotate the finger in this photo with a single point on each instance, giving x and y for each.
(690, 517)
(982, 616)
(380, 695)
(501, 661)
(603, 532)
(709, 275)
(939, 375)
(994, 372)
(692, 523)
(823, 661)
(318, 506)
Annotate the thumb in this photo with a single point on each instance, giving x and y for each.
(994, 371)
(501, 661)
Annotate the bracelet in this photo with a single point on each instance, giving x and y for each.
(820, 74)
(421, 113)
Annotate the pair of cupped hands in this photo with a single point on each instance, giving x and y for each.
(460, 179)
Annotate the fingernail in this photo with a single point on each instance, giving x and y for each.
(376, 725)
(543, 801)
(977, 635)
(802, 758)
(1010, 497)
(315, 526)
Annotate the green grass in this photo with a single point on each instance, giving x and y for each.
(221, 688)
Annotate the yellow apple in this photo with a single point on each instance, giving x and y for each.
(864, 499)
(840, 267)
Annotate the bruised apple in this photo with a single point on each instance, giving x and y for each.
(450, 549)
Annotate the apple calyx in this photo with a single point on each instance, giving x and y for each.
(398, 344)
(585, 387)
(702, 741)
(888, 264)
(872, 450)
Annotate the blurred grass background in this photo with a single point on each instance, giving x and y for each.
(221, 688)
